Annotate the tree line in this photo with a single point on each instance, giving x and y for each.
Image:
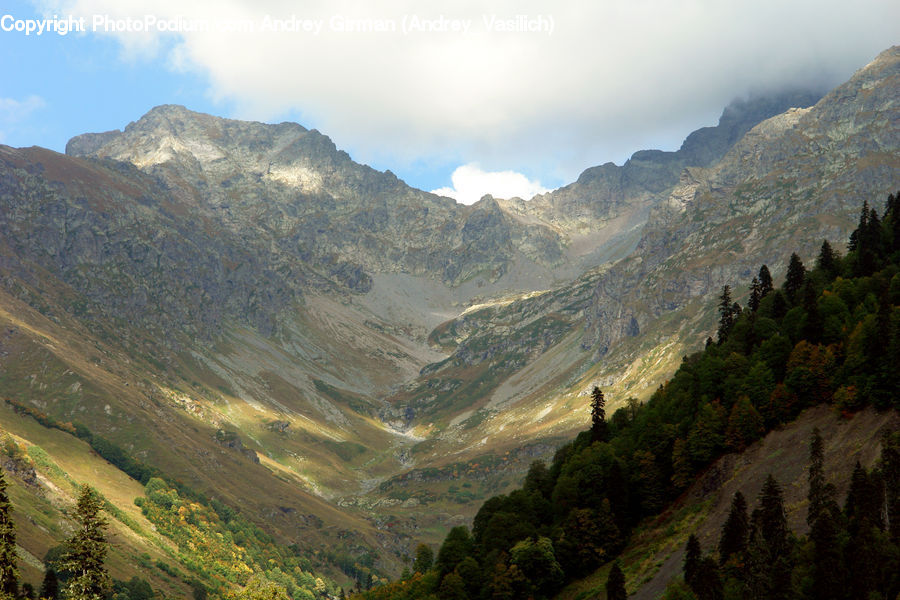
(828, 334)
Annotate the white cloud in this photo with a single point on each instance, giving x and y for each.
(613, 77)
(470, 183)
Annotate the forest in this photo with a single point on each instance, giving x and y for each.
(830, 334)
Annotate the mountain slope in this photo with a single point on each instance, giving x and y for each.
(210, 293)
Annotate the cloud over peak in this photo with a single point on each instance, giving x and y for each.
(471, 183)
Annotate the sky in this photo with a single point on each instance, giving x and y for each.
(510, 97)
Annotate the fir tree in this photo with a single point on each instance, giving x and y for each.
(691, 566)
(827, 260)
(9, 572)
(812, 327)
(755, 295)
(50, 585)
(766, 284)
(615, 584)
(599, 431)
(708, 585)
(821, 493)
(726, 313)
(86, 550)
(424, 559)
(733, 541)
(793, 282)
(890, 468)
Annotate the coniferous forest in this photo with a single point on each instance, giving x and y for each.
(830, 334)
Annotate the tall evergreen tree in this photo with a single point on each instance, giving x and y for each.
(733, 541)
(599, 429)
(766, 285)
(9, 571)
(890, 468)
(769, 547)
(693, 554)
(86, 550)
(424, 559)
(812, 327)
(816, 477)
(755, 295)
(827, 260)
(615, 584)
(793, 282)
(726, 313)
(709, 581)
(50, 585)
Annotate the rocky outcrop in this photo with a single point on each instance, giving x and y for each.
(790, 182)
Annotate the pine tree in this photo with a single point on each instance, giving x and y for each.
(424, 559)
(615, 584)
(766, 284)
(599, 431)
(692, 557)
(769, 571)
(821, 493)
(890, 468)
(9, 572)
(733, 541)
(726, 314)
(779, 305)
(755, 295)
(709, 582)
(793, 282)
(50, 585)
(812, 327)
(827, 260)
(87, 550)
(857, 238)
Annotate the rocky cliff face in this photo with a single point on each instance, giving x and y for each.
(618, 198)
(790, 182)
(293, 188)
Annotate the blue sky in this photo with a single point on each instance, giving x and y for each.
(509, 111)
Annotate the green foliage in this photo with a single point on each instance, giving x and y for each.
(86, 550)
(615, 583)
(9, 572)
(829, 335)
(221, 547)
(424, 559)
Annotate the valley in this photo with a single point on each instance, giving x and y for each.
(354, 365)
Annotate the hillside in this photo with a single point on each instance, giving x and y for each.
(829, 335)
(240, 307)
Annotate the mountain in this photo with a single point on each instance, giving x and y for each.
(243, 307)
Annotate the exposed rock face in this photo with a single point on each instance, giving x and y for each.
(790, 182)
(607, 193)
(295, 189)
